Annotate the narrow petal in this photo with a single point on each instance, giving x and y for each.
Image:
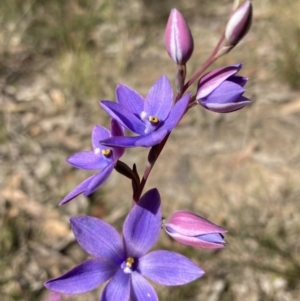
(141, 289)
(118, 288)
(130, 99)
(143, 224)
(169, 268)
(99, 133)
(159, 100)
(125, 117)
(117, 130)
(83, 278)
(87, 160)
(210, 81)
(176, 113)
(99, 179)
(98, 238)
(77, 191)
(143, 141)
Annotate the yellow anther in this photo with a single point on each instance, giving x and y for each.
(106, 152)
(153, 119)
(129, 262)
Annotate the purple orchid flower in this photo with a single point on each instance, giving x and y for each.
(221, 90)
(194, 230)
(124, 261)
(101, 157)
(151, 118)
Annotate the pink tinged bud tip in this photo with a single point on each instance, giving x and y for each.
(178, 38)
(193, 230)
(239, 23)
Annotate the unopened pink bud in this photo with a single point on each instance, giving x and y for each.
(239, 23)
(178, 38)
(194, 230)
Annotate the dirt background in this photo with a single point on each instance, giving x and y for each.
(240, 170)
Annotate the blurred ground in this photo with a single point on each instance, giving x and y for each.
(241, 170)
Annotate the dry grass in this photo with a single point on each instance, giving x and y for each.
(241, 170)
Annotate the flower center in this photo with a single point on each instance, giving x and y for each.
(106, 152)
(153, 119)
(128, 265)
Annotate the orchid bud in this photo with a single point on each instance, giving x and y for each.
(221, 90)
(193, 230)
(239, 23)
(178, 38)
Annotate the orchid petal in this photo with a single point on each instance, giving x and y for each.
(143, 224)
(125, 117)
(176, 113)
(169, 268)
(99, 133)
(77, 191)
(227, 107)
(117, 130)
(227, 92)
(141, 289)
(83, 278)
(159, 100)
(210, 81)
(118, 288)
(144, 141)
(239, 80)
(130, 99)
(87, 160)
(98, 238)
(99, 179)
(196, 241)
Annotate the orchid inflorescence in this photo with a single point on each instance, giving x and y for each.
(125, 261)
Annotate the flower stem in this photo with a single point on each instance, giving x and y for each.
(212, 58)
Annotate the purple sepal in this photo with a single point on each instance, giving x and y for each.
(211, 80)
(118, 288)
(98, 238)
(138, 240)
(169, 268)
(83, 278)
(178, 38)
(141, 289)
